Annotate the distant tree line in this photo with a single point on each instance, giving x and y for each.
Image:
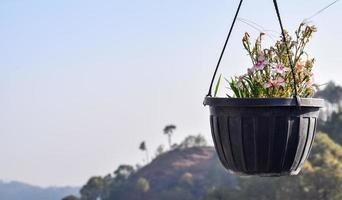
(320, 179)
(110, 186)
(332, 125)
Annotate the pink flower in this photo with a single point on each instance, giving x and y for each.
(275, 83)
(261, 62)
(300, 65)
(279, 68)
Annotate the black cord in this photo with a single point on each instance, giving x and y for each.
(284, 40)
(224, 48)
(287, 49)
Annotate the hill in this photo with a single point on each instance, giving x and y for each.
(22, 191)
(197, 168)
(195, 173)
(192, 171)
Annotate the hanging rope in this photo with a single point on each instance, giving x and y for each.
(224, 48)
(284, 40)
(258, 28)
(320, 11)
(287, 49)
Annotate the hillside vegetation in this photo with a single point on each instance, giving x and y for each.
(192, 171)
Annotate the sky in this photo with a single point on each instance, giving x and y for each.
(82, 83)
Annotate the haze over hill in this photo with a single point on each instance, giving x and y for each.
(194, 172)
(191, 170)
(79, 74)
(15, 190)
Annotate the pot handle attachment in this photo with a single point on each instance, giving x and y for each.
(284, 40)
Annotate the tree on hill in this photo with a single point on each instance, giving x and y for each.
(160, 150)
(143, 185)
(168, 130)
(93, 189)
(331, 93)
(123, 172)
(321, 179)
(118, 183)
(333, 126)
(324, 177)
(143, 147)
(331, 122)
(193, 141)
(195, 173)
(102, 188)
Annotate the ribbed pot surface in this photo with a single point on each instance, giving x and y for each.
(263, 140)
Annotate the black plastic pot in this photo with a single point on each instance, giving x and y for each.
(266, 137)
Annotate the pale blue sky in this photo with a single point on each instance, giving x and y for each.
(83, 82)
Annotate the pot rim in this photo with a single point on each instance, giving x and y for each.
(263, 102)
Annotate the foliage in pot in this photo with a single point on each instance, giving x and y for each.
(261, 129)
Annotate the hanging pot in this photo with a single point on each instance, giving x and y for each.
(267, 137)
(263, 136)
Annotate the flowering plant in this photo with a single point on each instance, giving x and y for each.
(271, 74)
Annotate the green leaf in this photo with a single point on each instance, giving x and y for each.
(217, 85)
(234, 88)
